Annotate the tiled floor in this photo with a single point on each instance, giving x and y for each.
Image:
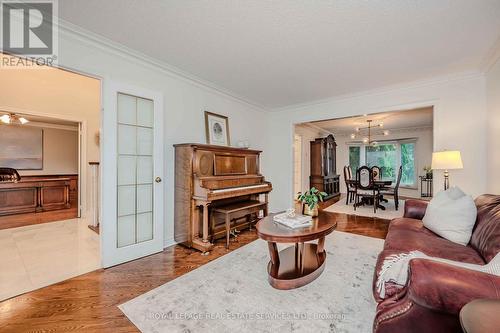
(36, 256)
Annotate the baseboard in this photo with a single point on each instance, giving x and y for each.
(169, 242)
(330, 201)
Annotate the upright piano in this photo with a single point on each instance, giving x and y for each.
(208, 176)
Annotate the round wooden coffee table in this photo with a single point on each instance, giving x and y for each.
(298, 265)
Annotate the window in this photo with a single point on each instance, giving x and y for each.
(408, 163)
(385, 157)
(354, 158)
(389, 156)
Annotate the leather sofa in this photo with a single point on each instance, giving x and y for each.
(435, 292)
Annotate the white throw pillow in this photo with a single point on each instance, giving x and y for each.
(451, 214)
(454, 193)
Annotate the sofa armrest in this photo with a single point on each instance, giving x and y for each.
(443, 287)
(415, 209)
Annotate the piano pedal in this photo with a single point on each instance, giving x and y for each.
(205, 253)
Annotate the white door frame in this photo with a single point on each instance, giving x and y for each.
(110, 254)
(298, 159)
(80, 167)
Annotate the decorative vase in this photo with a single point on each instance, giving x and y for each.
(429, 175)
(311, 212)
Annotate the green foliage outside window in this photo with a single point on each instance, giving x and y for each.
(408, 163)
(383, 156)
(354, 158)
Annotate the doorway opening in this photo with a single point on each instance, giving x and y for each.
(387, 141)
(46, 195)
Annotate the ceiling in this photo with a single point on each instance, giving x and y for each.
(415, 118)
(279, 53)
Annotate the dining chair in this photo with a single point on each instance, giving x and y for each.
(351, 190)
(365, 188)
(377, 173)
(350, 171)
(394, 191)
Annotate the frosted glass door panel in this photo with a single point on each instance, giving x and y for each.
(144, 141)
(135, 170)
(127, 140)
(144, 170)
(126, 170)
(144, 227)
(126, 230)
(126, 200)
(126, 109)
(145, 112)
(144, 198)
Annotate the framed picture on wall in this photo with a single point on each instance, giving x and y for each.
(217, 129)
(21, 147)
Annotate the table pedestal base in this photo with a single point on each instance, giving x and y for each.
(296, 265)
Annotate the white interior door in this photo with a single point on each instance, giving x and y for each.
(132, 172)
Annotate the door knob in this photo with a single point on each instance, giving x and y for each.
(158, 179)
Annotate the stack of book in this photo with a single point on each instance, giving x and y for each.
(293, 221)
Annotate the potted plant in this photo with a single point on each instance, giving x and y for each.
(310, 200)
(428, 172)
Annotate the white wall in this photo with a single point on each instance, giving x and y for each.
(60, 153)
(184, 103)
(459, 123)
(308, 134)
(423, 154)
(493, 127)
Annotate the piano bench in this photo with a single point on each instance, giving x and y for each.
(236, 211)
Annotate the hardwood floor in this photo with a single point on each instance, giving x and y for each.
(361, 225)
(88, 303)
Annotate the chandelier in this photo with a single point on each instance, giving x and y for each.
(13, 119)
(368, 131)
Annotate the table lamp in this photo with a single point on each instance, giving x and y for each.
(446, 160)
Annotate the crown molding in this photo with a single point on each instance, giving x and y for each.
(438, 80)
(73, 31)
(492, 57)
(315, 128)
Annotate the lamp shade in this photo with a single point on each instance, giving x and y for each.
(447, 160)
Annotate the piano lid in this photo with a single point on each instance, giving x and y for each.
(218, 148)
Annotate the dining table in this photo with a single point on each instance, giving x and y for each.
(379, 185)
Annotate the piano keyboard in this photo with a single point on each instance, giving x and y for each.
(239, 188)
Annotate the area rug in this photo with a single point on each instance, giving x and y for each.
(389, 213)
(231, 294)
